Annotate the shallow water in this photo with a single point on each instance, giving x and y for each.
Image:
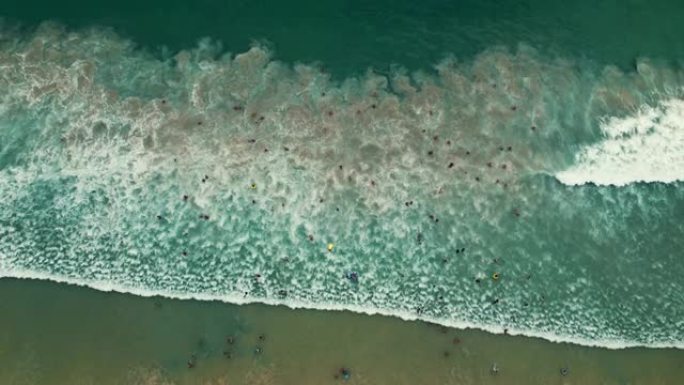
(517, 180)
(59, 334)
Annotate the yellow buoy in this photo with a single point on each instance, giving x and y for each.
(330, 247)
(495, 276)
(253, 186)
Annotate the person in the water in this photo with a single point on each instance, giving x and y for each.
(353, 277)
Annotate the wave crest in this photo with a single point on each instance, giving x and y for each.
(647, 146)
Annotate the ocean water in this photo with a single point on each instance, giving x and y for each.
(511, 167)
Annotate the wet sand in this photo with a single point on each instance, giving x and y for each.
(58, 334)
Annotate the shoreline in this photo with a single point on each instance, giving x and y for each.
(297, 305)
(56, 334)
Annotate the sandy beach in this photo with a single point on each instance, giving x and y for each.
(59, 334)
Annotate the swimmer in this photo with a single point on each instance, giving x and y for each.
(564, 371)
(494, 370)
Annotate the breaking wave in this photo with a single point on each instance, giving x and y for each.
(647, 146)
(426, 196)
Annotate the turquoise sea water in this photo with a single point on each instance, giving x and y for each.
(503, 166)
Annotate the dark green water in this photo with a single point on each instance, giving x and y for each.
(527, 177)
(349, 36)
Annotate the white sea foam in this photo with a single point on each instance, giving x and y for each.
(100, 164)
(647, 146)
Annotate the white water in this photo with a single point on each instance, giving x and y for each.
(130, 158)
(647, 146)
